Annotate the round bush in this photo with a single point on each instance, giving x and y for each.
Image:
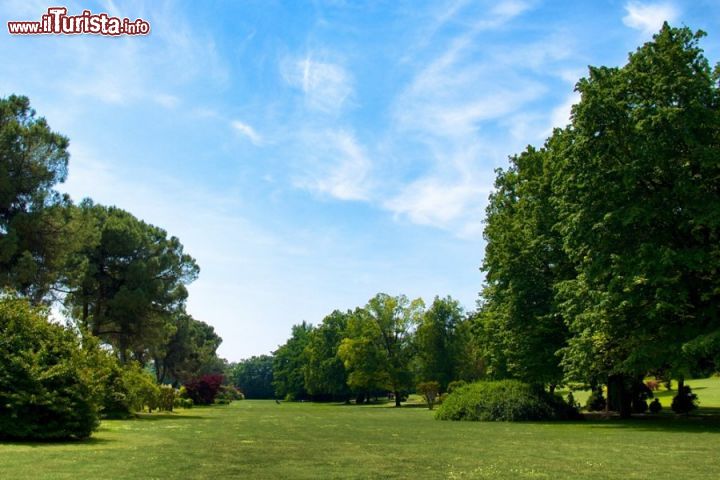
(506, 400)
(46, 389)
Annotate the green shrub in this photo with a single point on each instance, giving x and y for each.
(166, 398)
(596, 401)
(183, 403)
(506, 400)
(685, 401)
(455, 384)
(46, 389)
(655, 406)
(140, 388)
(227, 394)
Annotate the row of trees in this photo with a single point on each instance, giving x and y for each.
(120, 281)
(602, 260)
(388, 345)
(603, 246)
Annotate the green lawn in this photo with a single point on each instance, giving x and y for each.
(259, 439)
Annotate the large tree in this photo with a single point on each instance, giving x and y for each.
(378, 350)
(129, 283)
(36, 223)
(638, 196)
(191, 350)
(325, 374)
(289, 362)
(441, 343)
(523, 262)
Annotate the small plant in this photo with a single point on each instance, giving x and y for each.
(596, 400)
(183, 403)
(166, 398)
(685, 401)
(429, 391)
(655, 406)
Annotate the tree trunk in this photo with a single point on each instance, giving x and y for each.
(619, 398)
(397, 398)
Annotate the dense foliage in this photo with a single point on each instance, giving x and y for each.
(204, 389)
(253, 377)
(46, 387)
(122, 283)
(602, 252)
(505, 400)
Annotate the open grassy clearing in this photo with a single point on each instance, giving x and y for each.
(260, 439)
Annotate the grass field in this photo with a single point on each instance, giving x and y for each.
(260, 439)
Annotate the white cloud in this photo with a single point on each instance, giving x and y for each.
(430, 201)
(342, 166)
(247, 131)
(649, 17)
(509, 9)
(327, 86)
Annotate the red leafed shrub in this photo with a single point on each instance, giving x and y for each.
(653, 385)
(203, 390)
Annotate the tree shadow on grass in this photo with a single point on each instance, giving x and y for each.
(90, 442)
(701, 421)
(154, 417)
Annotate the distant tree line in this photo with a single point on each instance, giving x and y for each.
(387, 346)
(602, 261)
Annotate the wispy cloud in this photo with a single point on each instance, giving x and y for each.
(342, 168)
(458, 105)
(247, 131)
(649, 17)
(430, 201)
(326, 85)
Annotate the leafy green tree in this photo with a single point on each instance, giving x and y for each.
(190, 351)
(254, 377)
(36, 225)
(524, 261)
(47, 390)
(378, 350)
(130, 282)
(325, 374)
(637, 195)
(289, 364)
(440, 343)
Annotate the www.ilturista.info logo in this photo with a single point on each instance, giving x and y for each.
(58, 22)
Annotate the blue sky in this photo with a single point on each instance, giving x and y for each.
(312, 154)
